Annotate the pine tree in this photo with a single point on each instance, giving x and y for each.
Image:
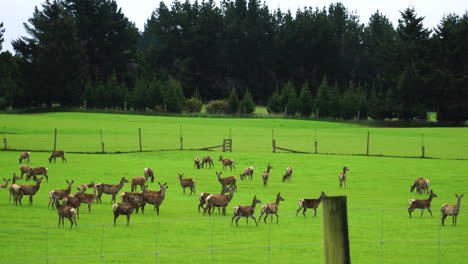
(233, 101)
(289, 99)
(174, 98)
(247, 105)
(274, 103)
(323, 98)
(306, 101)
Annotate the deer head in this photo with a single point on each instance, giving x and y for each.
(255, 201)
(323, 195)
(432, 194)
(123, 180)
(219, 174)
(220, 158)
(279, 198)
(180, 176)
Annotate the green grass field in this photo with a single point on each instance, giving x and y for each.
(378, 191)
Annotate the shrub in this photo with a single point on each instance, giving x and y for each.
(193, 105)
(233, 101)
(289, 99)
(217, 107)
(174, 98)
(274, 103)
(3, 103)
(247, 105)
(306, 101)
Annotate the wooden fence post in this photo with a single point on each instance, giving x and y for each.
(423, 148)
(315, 141)
(273, 141)
(181, 138)
(335, 230)
(55, 140)
(139, 137)
(4, 143)
(368, 139)
(102, 143)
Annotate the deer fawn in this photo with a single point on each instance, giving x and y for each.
(66, 211)
(134, 198)
(196, 162)
(148, 173)
(202, 197)
(421, 185)
(227, 162)
(247, 172)
(24, 156)
(14, 188)
(271, 209)
(190, 183)
(112, 189)
(246, 211)
(231, 180)
(266, 174)
(137, 181)
(421, 204)
(451, 209)
(207, 160)
(288, 174)
(218, 200)
(59, 194)
(57, 154)
(310, 203)
(24, 170)
(6, 183)
(74, 202)
(122, 209)
(30, 190)
(342, 177)
(84, 187)
(87, 198)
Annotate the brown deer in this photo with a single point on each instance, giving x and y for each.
(421, 204)
(57, 154)
(218, 200)
(148, 173)
(342, 177)
(227, 162)
(74, 202)
(271, 209)
(207, 160)
(202, 197)
(196, 162)
(245, 211)
(86, 197)
(231, 180)
(266, 174)
(24, 156)
(84, 187)
(137, 181)
(30, 190)
(190, 183)
(310, 203)
(421, 185)
(288, 174)
(6, 183)
(59, 194)
(154, 197)
(112, 189)
(134, 198)
(247, 172)
(33, 172)
(14, 188)
(122, 209)
(24, 170)
(451, 209)
(66, 211)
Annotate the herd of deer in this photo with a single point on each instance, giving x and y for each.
(132, 201)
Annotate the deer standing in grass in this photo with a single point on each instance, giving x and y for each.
(421, 204)
(266, 175)
(137, 181)
(24, 170)
(30, 190)
(112, 189)
(227, 162)
(247, 172)
(342, 177)
(451, 209)
(271, 209)
(24, 156)
(154, 197)
(231, 180)
(310, 203)
(207, 160)
(421, 185)
(14, 188)
(86, 197)
(134, 198)
(74, 202)
(196, 162)
(84, 187)
(148, 173)
(190, 183)
(59, 194)
(288, 174)
(33, 172)
(246, 211)
(202, 197)
(57, 154)
(123, 209)
(218, 200)
(6, 183)
(65, 211)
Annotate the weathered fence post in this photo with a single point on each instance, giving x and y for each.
(423, 148)
(230, 135)
(368, 139)
(335, 230)
(315, 141)
(181, 138)
(102, 143)
(55, 140)
(317, 114)
(273, 141)
(4, 143)
(139, 137)
(358, 114)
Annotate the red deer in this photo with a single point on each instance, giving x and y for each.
(66, 211)
(149, 173)
(421, 185)
(451, 209)
(24, 170)
(342, 177)
(154, 197)
(421, 204)
(112, 189)
(207, 160)
(138, 181)
(245, 211)
(6, 183)
(30, 190)
(271, 209)
(84, 187)
(57, 154)
(33, 172)
(24, 156)
(247, 172)
(227, 162)
(196, 162)
(218, 200)
(134, 198)
(266, 174)
(310, 203)
(202, 197)
(288, 174)
(59, 194)
(74, 202)
(231, 180)
(190, 183)
(122, 209)
(14, 188)
(87, 198)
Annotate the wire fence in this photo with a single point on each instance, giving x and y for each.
(376, 236)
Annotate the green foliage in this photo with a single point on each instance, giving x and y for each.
(274, 103)
(174, 98)
(353, 101)
(146, 94)
(109, 94)
(3, 103)
(306, 101)
(247, 105)
(217, 107)
(324, 98)
(289, 99)
(2, 31)
(193, 105)
(233, 101)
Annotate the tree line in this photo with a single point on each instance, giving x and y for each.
(322, 61)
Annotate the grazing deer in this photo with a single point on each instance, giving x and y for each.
(59, 194)
(207, 160)
(247, 172)
(6, 183)
(202, 197)
(30, 190)
(138, 181)
(86, 197)
(191, 183)
(451, 209)
(288, 174)
(57, 154)
(218, 200)
(154, 197)
(74, 202)
(66, 211)
(266, 174)
(271, 209)
(112, 189)
(231, 180)
(342, 177)
(310, 203)
(122, 209)
(245, 211)
(24, 170)
(14, 188)
(227, 162)
(149, 173)
(84, 187)
(421, 204)
(196, 162)
(33, 172)
(134, 198)
(421, 185)
(24, 156)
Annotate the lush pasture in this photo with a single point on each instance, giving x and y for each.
(378, 193)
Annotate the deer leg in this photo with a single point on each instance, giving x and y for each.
(303, 212)
(113, 198)
(255, 220)
(443, 219)
(115, 218)
(89, 207)
(277, 217)
(128, 219)
(47, 177)
(422, 211)
(315, 212)
(224, 211)
(232, 219)
(71, 222)
(260, 217)
(410, 210)
(237, 220)
(30, 200)
(298, 210)
(157, 210)
(78, 212)
(429, 209)
(59, 221)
